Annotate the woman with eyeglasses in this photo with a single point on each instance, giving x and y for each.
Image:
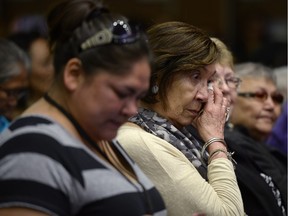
(258, 102)
(41, 74)
(192, 178)
(14, 70)
(255, 111)
(258, 197)
(227, 80)
(60, 157)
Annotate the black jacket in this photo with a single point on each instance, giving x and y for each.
(254, 158)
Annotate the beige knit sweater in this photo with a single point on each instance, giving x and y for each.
(183, 189)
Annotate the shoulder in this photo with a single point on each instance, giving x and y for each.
(150, 151)
(130, 132)
(131, 136)
(37, 140)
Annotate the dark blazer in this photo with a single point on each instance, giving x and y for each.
(253, 158)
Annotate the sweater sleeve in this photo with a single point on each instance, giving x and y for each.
(183, 189)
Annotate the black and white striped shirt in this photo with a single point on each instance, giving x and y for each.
(43, 167)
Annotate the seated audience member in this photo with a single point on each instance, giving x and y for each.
(255, 111)
(60, 157)
(190, 177)
(225, 74)
(258, 102)
(258, 198)
(14, 69)
(42, 72)
(278, 135)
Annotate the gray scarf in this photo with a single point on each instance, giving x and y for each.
(155, 124)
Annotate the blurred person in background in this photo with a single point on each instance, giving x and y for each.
(60, 157)
(257, 106)
(259, 102)
(42, 72)
(258, 198)
(226, 78)
(278, 136)
(14, 70)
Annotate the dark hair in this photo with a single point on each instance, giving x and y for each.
(25, 39)
(74, 22)
(177, 47)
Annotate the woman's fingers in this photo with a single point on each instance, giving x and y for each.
(210, 94)
(218, 96)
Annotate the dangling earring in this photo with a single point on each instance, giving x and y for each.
(155, 89)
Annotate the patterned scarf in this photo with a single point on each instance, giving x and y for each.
(155, 124)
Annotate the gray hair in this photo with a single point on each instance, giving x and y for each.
(257, 70)
(10, 58)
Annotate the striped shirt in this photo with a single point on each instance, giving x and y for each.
(45, 168)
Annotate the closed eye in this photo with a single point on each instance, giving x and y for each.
(121, 95)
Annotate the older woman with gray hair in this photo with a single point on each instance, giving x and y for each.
(262, 176)
(14, 68)
(258, 102)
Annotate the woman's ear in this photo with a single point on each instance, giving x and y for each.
(73, 74)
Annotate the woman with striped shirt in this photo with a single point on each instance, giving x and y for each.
(60, 157)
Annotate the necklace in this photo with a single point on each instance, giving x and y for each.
(80, 130)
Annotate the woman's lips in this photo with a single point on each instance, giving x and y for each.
(194, 112)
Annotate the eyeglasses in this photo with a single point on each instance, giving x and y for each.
(277, 97)
(16, 94)
(121, 32)
(232, 82)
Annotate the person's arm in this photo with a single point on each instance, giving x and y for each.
(20, 212)
(210, 124)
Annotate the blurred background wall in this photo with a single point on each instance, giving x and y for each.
(255, 30)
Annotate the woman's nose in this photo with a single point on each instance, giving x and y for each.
(202, 93)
